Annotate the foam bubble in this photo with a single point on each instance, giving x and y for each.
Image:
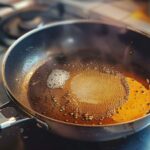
(57, 78)
(99, 93)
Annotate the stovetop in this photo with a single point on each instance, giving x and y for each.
(29, 135)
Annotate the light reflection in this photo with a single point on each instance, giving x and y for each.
(30, 62)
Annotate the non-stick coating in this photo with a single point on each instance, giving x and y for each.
(128, 48)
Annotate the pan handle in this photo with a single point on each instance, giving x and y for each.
(8, 122)
(9, 116)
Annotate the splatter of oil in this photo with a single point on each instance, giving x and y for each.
(137, 105)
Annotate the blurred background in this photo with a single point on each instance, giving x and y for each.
(23, 15)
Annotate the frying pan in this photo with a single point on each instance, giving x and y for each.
(111, 42)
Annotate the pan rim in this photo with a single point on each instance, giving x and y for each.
(39, 115)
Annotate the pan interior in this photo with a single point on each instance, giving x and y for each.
(88, 91)
(78, 90)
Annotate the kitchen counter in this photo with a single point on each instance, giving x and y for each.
(117, 10)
